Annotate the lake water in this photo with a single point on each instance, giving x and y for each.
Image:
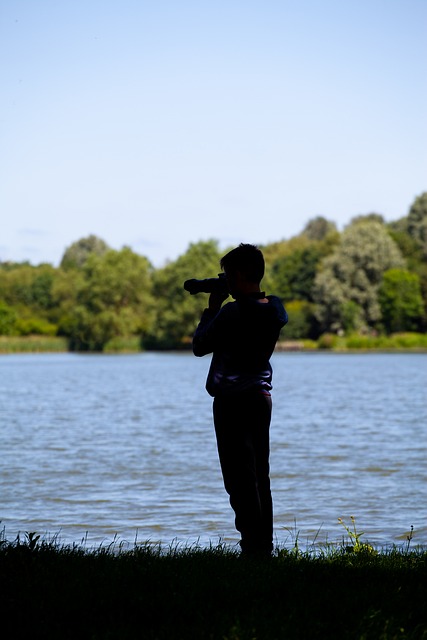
(94, 446)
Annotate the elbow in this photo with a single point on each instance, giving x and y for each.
(199, 349)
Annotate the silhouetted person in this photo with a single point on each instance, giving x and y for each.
(242, 336)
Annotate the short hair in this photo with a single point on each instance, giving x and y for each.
(246, 258)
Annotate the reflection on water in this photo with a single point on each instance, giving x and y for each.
(124, 445)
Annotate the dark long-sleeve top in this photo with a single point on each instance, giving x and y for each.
(242, 337)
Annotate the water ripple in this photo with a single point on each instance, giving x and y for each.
(105, 445)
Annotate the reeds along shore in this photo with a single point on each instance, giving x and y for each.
(152, 593)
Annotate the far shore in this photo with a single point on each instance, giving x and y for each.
(398, 342)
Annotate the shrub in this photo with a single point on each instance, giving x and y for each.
(401, 301)
(301, 320)
(328, 341)
(409, 340)
(7, 319)
(34, 326)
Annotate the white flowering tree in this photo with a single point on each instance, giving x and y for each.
(347, 283)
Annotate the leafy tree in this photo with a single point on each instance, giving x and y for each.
(16, 284)
(273, 253)
(294, 274)
(76, 255)
(302, 322)
(422, 274)
(294, 269)
(410, 233)
(177, 312)
(65, 289)
(28, 324)
(29, 286)
(417, 221)
(408, 246)
(114, 299)
(9, 265)
(41, 288)
(318, 228)
(354, 273)
(7, 319)
(368, 217)
(400, 301)
(351, 316)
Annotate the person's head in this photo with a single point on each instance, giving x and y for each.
(244, 267)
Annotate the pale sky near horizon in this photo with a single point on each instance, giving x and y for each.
(157, 124)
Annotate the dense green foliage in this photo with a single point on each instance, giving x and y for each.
(113, 299)
(177, 312)
(400, 301)
(368, 280)
(76, 254)
(346, 593)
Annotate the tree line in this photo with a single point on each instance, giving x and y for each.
(371, 278)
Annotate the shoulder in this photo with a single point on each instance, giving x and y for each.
(275, 301)
(279, 309)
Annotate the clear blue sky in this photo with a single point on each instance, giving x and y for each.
(157, 124)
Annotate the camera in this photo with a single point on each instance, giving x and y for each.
(208, 285)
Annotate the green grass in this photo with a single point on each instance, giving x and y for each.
(123, 344)
(51, 344)
(32, 344)
(395, 342)
(153, 593)
(405, 342)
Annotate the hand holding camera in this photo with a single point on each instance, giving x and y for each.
(217, 287)
(208, 285)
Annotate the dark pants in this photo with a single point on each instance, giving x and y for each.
(242, 424)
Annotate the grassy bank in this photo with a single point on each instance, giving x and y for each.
(33, 344)
(49, 591)
(405, 342)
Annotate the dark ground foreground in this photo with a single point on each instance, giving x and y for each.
(49, 591)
